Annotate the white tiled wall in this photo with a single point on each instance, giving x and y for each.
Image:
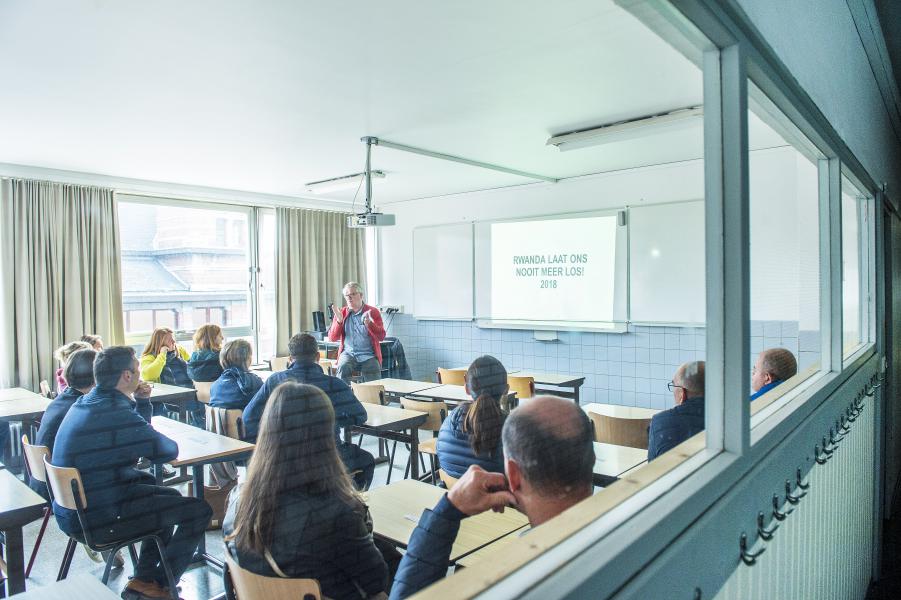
(620, 368)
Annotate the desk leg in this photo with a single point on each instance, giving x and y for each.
(198, 493)
(15, 561)
(414, 452)
(348, 435)
(576, 394)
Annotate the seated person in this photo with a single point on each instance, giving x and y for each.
(304, 351)
(298, 514)
(62, 355)
(237, 384)
(672, 427)
(548, 461)
(164, 361)
(103, 436)
(204, 363)
(359, 328)
(95, 341)
(471, 433)
(773, 366)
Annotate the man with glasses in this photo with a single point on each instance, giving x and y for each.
(672, 427)
(359, 328)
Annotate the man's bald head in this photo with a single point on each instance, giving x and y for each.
(551, 440)
(773, 365)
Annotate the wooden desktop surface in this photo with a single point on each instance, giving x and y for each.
(197, 446)
(16, 393)
(25, 407)
(390, 418)
(77, 586)
(446, 392)
(558, 379)
(401, 386)
(18, 502)
(621, 412)
(396, 509)
(611, 460)
(493, 549)
(162, 391)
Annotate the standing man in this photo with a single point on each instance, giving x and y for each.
(359, 328)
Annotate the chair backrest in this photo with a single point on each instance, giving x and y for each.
(619, 431)
(203, 391)
(46, 392)
(451, 376)
(250, 586)
(326, 366)
(436, 412)
(34, 459)
(370, 394)
(279, 363)
(60, 479)
(447, 479)
(323, 355)
(233, 422)
(523, 386)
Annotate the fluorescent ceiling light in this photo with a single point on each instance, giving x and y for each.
(339, 183)
(629, 130)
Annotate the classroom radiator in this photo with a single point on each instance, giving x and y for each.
(824, 547)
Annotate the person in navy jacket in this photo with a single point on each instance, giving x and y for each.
(471, 433)
(773, 366)
(359, 328)
(672, 427)
(548, 462)
(103, 435)
(237, 385)
(304, 351)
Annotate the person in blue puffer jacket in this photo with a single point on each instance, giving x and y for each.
(237, 384)
(204, 363)
(471, 434)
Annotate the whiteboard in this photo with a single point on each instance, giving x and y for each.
(442, 271)
(666, 263)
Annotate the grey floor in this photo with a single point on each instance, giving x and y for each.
(199, 582)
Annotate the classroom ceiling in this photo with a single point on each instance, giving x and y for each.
(266, 96)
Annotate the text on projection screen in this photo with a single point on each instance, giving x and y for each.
(554, 270)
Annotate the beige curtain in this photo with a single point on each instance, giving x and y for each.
(59, 246)
(316, 254)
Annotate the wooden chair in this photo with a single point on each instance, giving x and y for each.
(46, 391)
(279, 363)
(34, 465)
(326, 366)
(234, 423)
(241, 584)
(369, 394)
(437, 412)
(446, 479)
(523, 386)
(619, 431)
(451, 376)
(67, 490)
(203, 391)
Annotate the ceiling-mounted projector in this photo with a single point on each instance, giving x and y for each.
(370, 219)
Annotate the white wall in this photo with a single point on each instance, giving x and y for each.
(775, 223)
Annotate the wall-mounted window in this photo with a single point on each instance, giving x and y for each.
(858, 250)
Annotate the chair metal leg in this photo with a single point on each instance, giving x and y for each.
(111, 557)
(391, 463)
(133, 554)
(67, 559)
(173, 585)
(37, 541)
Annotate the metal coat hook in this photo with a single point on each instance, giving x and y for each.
(777, 514)
(816, 455)
(799, 480)
(833, 438)
(764, 533)
(826, 450)
(749, 558)
(843, 424)
(852, 413)
(788, 495)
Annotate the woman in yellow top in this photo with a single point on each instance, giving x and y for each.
(164, 361)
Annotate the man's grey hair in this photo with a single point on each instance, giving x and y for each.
(693, 378)
(352, 285)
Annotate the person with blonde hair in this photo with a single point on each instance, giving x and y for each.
(62, 355)
(298, 514)
(237, 384)
(94, 340)
(164, 361)
(204, 363)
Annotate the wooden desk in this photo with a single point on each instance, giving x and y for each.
(16, 393)
(28, 407)
(611, 461)
(19, 505)
(80, 586)
(401, 387)
(620, 412)
(495, 548)
(396, 509)
(453, 394)
(173, 394)
(389, 423)
(554, 380)
(197, 448)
